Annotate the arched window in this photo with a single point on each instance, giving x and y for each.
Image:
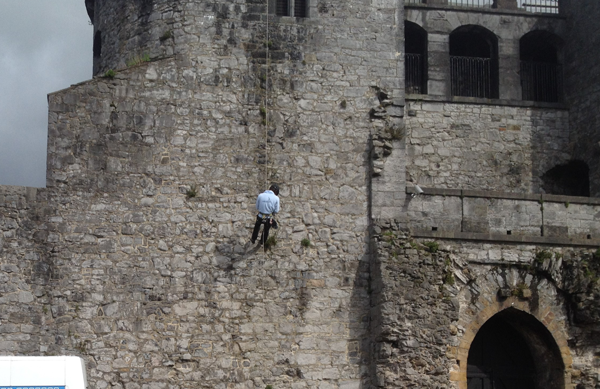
(415, 65)
(541, 72)
(474, 62)
(513, 350)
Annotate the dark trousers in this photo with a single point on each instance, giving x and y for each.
(265, 234)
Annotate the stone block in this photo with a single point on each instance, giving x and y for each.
(555, 231)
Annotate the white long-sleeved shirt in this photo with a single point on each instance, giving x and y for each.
(267, 203)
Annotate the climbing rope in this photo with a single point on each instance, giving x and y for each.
(268, 62)
(266, 121)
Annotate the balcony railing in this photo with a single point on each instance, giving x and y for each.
(542, 6)
(471, 77)
(414, 77)
(541, 81)
(536, 6)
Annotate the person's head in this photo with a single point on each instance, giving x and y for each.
(275, 189)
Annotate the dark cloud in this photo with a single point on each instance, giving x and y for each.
(45, 46)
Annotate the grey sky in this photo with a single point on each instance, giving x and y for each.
(45, 46)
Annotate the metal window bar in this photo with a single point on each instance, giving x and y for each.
(414, 1)
(541, 6)
(541, 81)
(300, 8)
(413, 73)
(471, 76)
(471, 3)
(282, 8)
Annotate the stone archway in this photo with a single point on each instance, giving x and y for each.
(541, 334)
(513, 350)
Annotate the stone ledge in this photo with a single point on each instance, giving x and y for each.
(505, 195)
(482, 101)
(28, 191)
(499, 238)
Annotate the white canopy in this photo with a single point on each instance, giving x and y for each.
(42, 372)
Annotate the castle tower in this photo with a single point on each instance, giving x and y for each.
(138, 254)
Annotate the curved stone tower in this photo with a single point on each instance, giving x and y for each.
(125, 32)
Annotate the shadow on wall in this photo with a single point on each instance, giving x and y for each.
(359, 345)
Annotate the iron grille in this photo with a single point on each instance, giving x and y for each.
(471, 3)
(471, 76)
(542, 6)
(300, 8)
(541, 81)
(414, 79)
(414, 1)
(281, 8)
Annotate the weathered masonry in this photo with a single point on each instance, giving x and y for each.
(439, 185)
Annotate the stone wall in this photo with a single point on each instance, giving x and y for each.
(582, 76)
(148, 210)
(151, 285)
(432, 297)
(486, 147)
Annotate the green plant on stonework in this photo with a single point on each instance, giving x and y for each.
(82, 346)
(138, 59)
(166, 35)
(263, 115)
(343, 104)
(449, 278)
(269, 387)
(395, 132)
(432, 246)
(388, 234)
(109, 73)
(567, 204)
(305, 242)
(270, 243)
(542, 255)
(597, 254)
(518, 291)
(192, 192)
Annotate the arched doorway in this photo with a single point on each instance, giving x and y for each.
(513, 350)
